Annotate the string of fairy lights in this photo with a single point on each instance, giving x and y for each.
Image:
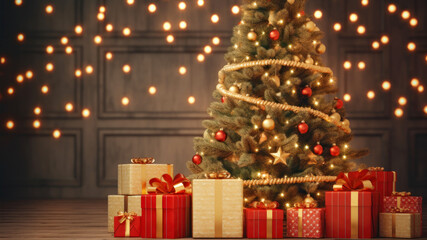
(205, 51)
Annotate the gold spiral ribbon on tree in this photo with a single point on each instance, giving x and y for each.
(289, 180)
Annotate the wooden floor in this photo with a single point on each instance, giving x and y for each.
(59, 219)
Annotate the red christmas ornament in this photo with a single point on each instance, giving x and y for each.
(220, 136)
(338, 103)
(303, 127)
(197, 159)
(307, 91)
(335, 151)
(274, 35)
(302, 13)
(223, 99)
(318, 149)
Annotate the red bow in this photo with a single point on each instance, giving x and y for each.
(265, 204)
(166, 184)
(355, 181)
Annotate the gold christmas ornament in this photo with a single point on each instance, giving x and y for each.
(346, 123)
(280, 157)
(276, 80)
(336, 117)
(268, 124)
(321, 48)
(310, 26)
(262, 138)
(291, 1)
(252, 36)
(234, 89)
(309, 60)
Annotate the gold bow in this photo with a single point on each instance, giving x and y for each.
(308, 202)
(145, 160)
(376, 169)
(218, 175)
(126, 216)
(401, 194)
(265, 204)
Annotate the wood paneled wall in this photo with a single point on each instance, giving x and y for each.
(83, 162)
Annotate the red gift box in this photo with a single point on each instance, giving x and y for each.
(264, 223)
(351, 214)
(127, 226)
(385, 184)
(305, 222)
(165, 216)
(410, 204)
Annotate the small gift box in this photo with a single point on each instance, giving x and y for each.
(127, 225)
(400, 225)
(121, 203)
(218, 207)
(385, 183)
(133, 178)
(352, 211)
(403, 202)
(305, 220)
(166, 214)
(264, 220)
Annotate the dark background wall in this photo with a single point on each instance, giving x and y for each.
(83, 161)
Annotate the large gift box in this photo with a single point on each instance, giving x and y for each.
(167, 212)
(400, 225)
(385, 184)
(121, 203)
(133, 178)
(265, 221)
(217, 208)
(305, 222)
(352, 210)
(127, 225)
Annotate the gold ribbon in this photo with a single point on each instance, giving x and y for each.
(394, 181)
(354, 214)
(159, 216)
(300, 222)
(218, 175)
(145, 160)
(218, 209)
(128, 217)
(269, 223)
(393, 225)
(376, 169)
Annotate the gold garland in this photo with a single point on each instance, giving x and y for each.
(259, 102)
(289, 180)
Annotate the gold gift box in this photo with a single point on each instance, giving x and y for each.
(133, 178)
(217, 208)
(121, 203)
(400, 225)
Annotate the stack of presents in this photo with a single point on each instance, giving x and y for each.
(153, 203)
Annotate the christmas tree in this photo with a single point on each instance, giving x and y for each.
(274, 119)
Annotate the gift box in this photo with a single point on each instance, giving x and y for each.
(217, 208)
(385, 184)
(166, 215)
(127, 225)
(305, 222)
(264, 223)
(121, 203)
(133, 178)
(400, 225)
(410, 204)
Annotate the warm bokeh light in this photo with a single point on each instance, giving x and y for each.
(152, 90)
(152, 7)
(318, 14)
(235, 9)
(375, 45)
(170, 38)
(36, 124)
(353, 17)
(411, 46)
(78, 29)
(182, 70)
(85, 112)
(200, 3)
(183, 25)
(20, 37)
(18, 2)
(49, 49)
(2, 60)
(49, 9)
(347, 97)
(420, 88)
(182, 5)
(215, 40)
(69, 107)
(10, 124)
(347, 65)
(29, 74)
(102, 9)
(45, 89)
(109, 27)
(64, 40)
(391, 8)
(69, 50)
(361, 65)
(415, 82)
(370, 94)
(126, 31)
(126, 68)
(100, 16)
(398, 112)
(125, 101)
(56, 133)
(10, 90)
(425, 109)
(385, 39)
(130, 2)
(361, 29)
(200, 57)
(402, 101)
(89, 69)
(49, 67)
(109, 55)
(413, 22)
(207, 49)
(78, 73)
(20, 78)
(386, 85)
(191, 100)
(37, 110)
(337, 27)
(97, 39)
(406, 14)
(364, 2)
(167, 26)
(215, 18)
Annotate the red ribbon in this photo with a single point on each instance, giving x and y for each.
(166, 184)
(265, 204)
(355, 181)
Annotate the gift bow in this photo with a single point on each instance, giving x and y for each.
(265, 204)
(401, 194)
(146, 160)
(355, 181)
(218, 175)
(166, 184)
(376, 169)
(126, 216)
